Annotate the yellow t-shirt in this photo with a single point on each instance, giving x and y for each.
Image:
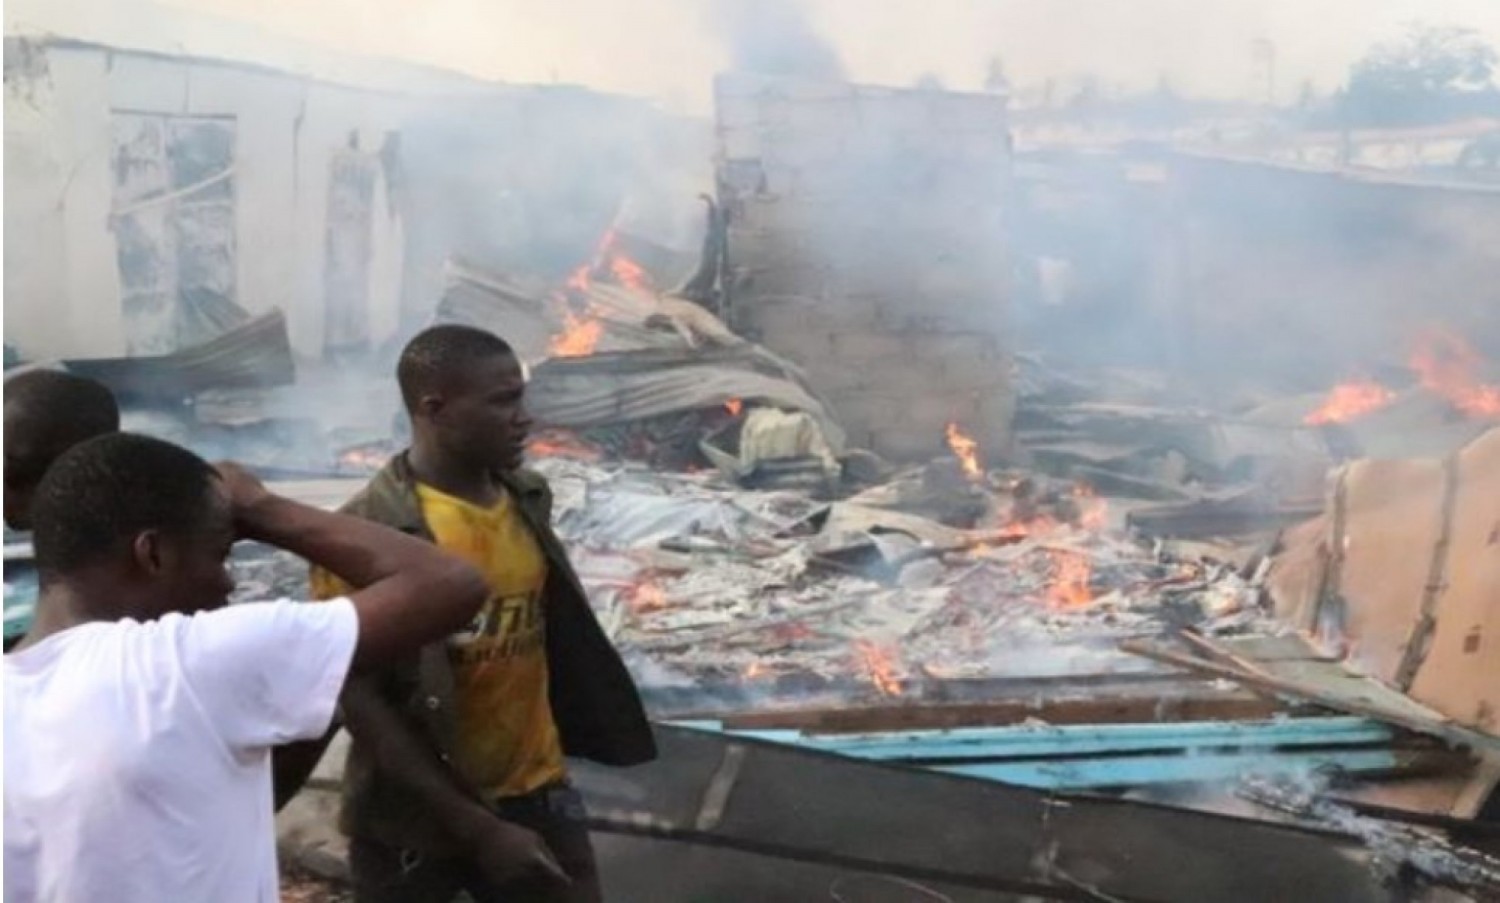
(507, 743)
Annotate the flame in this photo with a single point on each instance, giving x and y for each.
(645, 597)
(966, 450)
(608, 260)
(1093, 515)
(579, 280)
(629, 273)
(734, 406)
(562, 444)
(754, 670)
(1351, 401)
(1448, 366)
(580, 334)
(579, 337)
(626, 272)
(1070, 579)
(879, 662)
(1020, 529)
(1093, 511)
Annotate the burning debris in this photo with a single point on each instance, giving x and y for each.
(582, 327)
(650, 377)
(728, 591)
(1030, 529)
(1449, 367)
(579, 337)
(1351, 401)
(1443, 365)
(966, 450)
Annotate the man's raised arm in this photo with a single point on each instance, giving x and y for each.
(408, 592)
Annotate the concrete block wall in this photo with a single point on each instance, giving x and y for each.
(867, 243)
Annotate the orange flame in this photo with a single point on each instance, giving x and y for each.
(609, 260)
(734, 406)
(1070, 579)
(754, 670)
(562, 444)
(579, 337)
(1019, 529)
(1448, 366)
(966, 450)
(645, 596)
(579, 280)
(1351, 401)
(879, 664)
(1093, 512)
(629, 273)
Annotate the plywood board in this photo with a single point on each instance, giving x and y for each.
(1460, 670)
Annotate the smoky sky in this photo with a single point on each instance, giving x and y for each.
(669, 50)
(773, 37)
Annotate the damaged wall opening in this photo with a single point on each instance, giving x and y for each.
(347, 260)
(174, 226)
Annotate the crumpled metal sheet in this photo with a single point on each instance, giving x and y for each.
(801, 808)
(707, 586)
(608, 388)
(254, 354)
(656, 355)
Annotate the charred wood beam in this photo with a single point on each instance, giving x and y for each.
(702, 287)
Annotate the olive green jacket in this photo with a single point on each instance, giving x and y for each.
(594, 701)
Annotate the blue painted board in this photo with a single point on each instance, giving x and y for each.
(1114, 755)
(1084, 739)
(1132, 771)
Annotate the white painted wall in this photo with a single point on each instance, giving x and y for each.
(57, 254)
(62, 295)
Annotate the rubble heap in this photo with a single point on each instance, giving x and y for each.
(703, 584)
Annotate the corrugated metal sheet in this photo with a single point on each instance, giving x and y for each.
(785, 822)
(257, 354)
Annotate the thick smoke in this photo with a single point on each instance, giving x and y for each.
(774, 37)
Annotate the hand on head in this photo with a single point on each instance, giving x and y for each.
(245, 492)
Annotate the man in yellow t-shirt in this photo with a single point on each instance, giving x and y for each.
(507, 745)
(456, 777)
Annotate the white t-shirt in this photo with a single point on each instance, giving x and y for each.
(138, 756)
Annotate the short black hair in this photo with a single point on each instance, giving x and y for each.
(57, 410)
(111, 488)
(438, 352)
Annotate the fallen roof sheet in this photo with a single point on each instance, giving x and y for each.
(255, 354)
(787, 805)
(655, 355)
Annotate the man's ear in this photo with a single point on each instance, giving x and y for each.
(430, 405)
(148, 552)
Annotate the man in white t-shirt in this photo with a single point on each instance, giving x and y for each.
(140, 712)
